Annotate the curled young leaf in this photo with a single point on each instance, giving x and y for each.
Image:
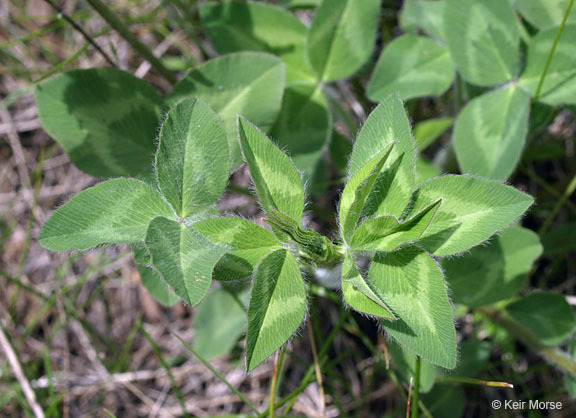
(387, 123)
(357, 190)
(386, 233)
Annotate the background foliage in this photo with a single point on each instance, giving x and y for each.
(87, 337)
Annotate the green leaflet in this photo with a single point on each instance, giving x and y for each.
(151, 279)
(358, 294)
(237, 26)
(357, 190)
(155, 285)
(424, 14)
(105, 119)
(545, 14)
(304, 125)
(386, 233)
(246, 83)
(560, 83)
(490, 132)
(113, 212)
(473, 209)
(218, 323)
(413, 66)
(548, 315)
(483, 38)
(428, 131)
(183, 257)
(192, 162)
(342, 37)
(413, 287)
(493, 272)
(277, 182)
(387, 123)
(277, 306)
(248, 244)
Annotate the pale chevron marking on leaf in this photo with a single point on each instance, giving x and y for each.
(248, 243)
(342, 36)
(104, 118)
(183, 257)
(411, 283)
(277, 181)
(277, 306)
(473, 209)
(192, 162)
(248, 26)
(253, 89)
(115, 211)
(413, 66)
(483, 39)
(490, 132)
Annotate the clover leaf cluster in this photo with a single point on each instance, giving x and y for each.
(384, 217)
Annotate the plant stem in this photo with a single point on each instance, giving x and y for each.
(567, 193)
(552, 50)
(553, 355)
(115, 22)
(416, 388)
(273, 386)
